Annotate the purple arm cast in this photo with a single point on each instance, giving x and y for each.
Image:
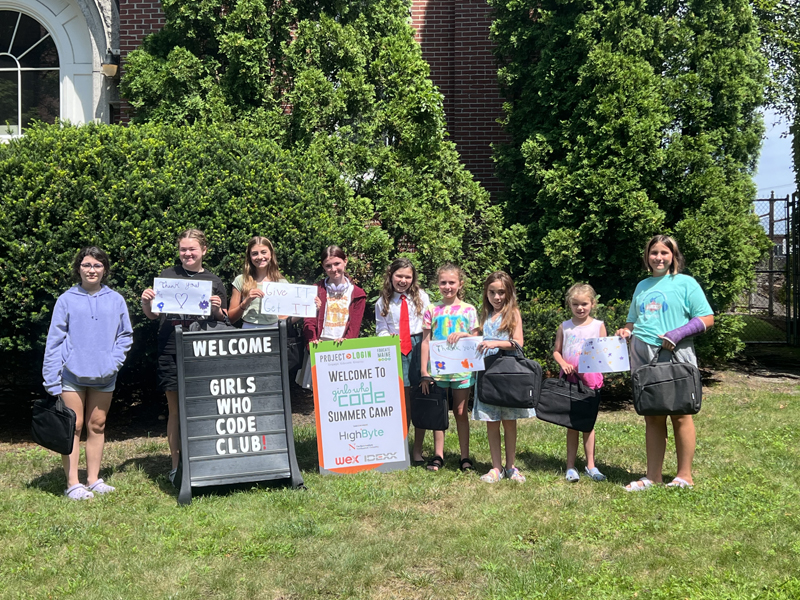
(693, 327)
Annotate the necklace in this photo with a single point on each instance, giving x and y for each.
(191, 273)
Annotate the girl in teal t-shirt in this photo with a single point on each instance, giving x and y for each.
(667, 310)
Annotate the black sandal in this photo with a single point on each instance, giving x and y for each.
(417, 463)
(436, 463)
(466, 465)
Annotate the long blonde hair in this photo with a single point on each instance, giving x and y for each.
(510, 310)
(249, 269)
(388, 289)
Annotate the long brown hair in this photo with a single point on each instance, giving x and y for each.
(510, 310)
(669, 242)
(249, 269)
(388, 289)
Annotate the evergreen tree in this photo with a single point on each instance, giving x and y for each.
(343, 79)
(629, 118)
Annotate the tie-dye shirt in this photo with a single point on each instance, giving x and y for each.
(443, 320)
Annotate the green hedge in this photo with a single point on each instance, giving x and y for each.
(131, 190)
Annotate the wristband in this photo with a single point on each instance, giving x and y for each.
(693, 327)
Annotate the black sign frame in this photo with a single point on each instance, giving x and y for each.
(193, 370)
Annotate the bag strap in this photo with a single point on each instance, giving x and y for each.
(562, 381)
(673, 359)
(517, 347)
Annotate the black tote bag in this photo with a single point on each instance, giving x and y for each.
(510, 380)
(667, 388)
(571, 405)
(430, 411)
(53, 424)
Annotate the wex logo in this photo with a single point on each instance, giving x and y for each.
(343, 461)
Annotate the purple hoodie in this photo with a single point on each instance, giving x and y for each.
(89, 336)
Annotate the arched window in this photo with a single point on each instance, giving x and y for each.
(29, 73)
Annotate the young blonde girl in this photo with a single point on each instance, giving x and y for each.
(260, 265)
(501, 324)
(450, 319)
(401, 295)
(581, 300)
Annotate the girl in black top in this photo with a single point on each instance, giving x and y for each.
(192, 248)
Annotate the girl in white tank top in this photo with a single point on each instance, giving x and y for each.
(581, 299)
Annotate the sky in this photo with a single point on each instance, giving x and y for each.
(775, 172)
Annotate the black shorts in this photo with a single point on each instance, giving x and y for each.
(167, 373)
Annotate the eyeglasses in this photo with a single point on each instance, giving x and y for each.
(90, 266)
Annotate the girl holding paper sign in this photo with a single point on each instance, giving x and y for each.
(260, 264)
(340, 308)
(192, 248)
(450, 319)
(667, 309)
(581, 300)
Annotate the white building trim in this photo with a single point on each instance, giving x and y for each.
(85, 32)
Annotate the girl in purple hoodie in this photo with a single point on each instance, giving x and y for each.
(90, 334)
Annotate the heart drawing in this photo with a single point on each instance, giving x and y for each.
(181, 298)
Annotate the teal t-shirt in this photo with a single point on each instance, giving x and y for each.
(661, 304)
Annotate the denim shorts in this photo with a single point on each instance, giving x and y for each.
(71, 386)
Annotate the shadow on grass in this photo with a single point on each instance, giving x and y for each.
(534, 461)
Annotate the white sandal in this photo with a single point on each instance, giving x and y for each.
(100, 487)
(78, 492)
(639, 485)
(680, 482)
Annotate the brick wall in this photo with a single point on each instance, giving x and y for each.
(454, 35)
(137, 18)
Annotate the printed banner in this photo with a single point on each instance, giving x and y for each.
(288, 299)
(604, 355)
(182, 296)
(358, 400)
(463, 356)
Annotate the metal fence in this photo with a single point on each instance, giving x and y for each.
(793, 271)
(765, 307)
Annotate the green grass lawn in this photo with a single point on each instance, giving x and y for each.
(416, 534)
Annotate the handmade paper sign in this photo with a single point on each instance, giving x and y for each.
(288, 299)
(182, 296)
(464, 356)
(604, 355)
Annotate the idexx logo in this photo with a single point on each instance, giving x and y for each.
(342, 461)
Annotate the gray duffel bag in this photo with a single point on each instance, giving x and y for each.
(667, 388)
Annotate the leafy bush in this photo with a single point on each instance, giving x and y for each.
(626, 119)
(131, 190)
(344, 79)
